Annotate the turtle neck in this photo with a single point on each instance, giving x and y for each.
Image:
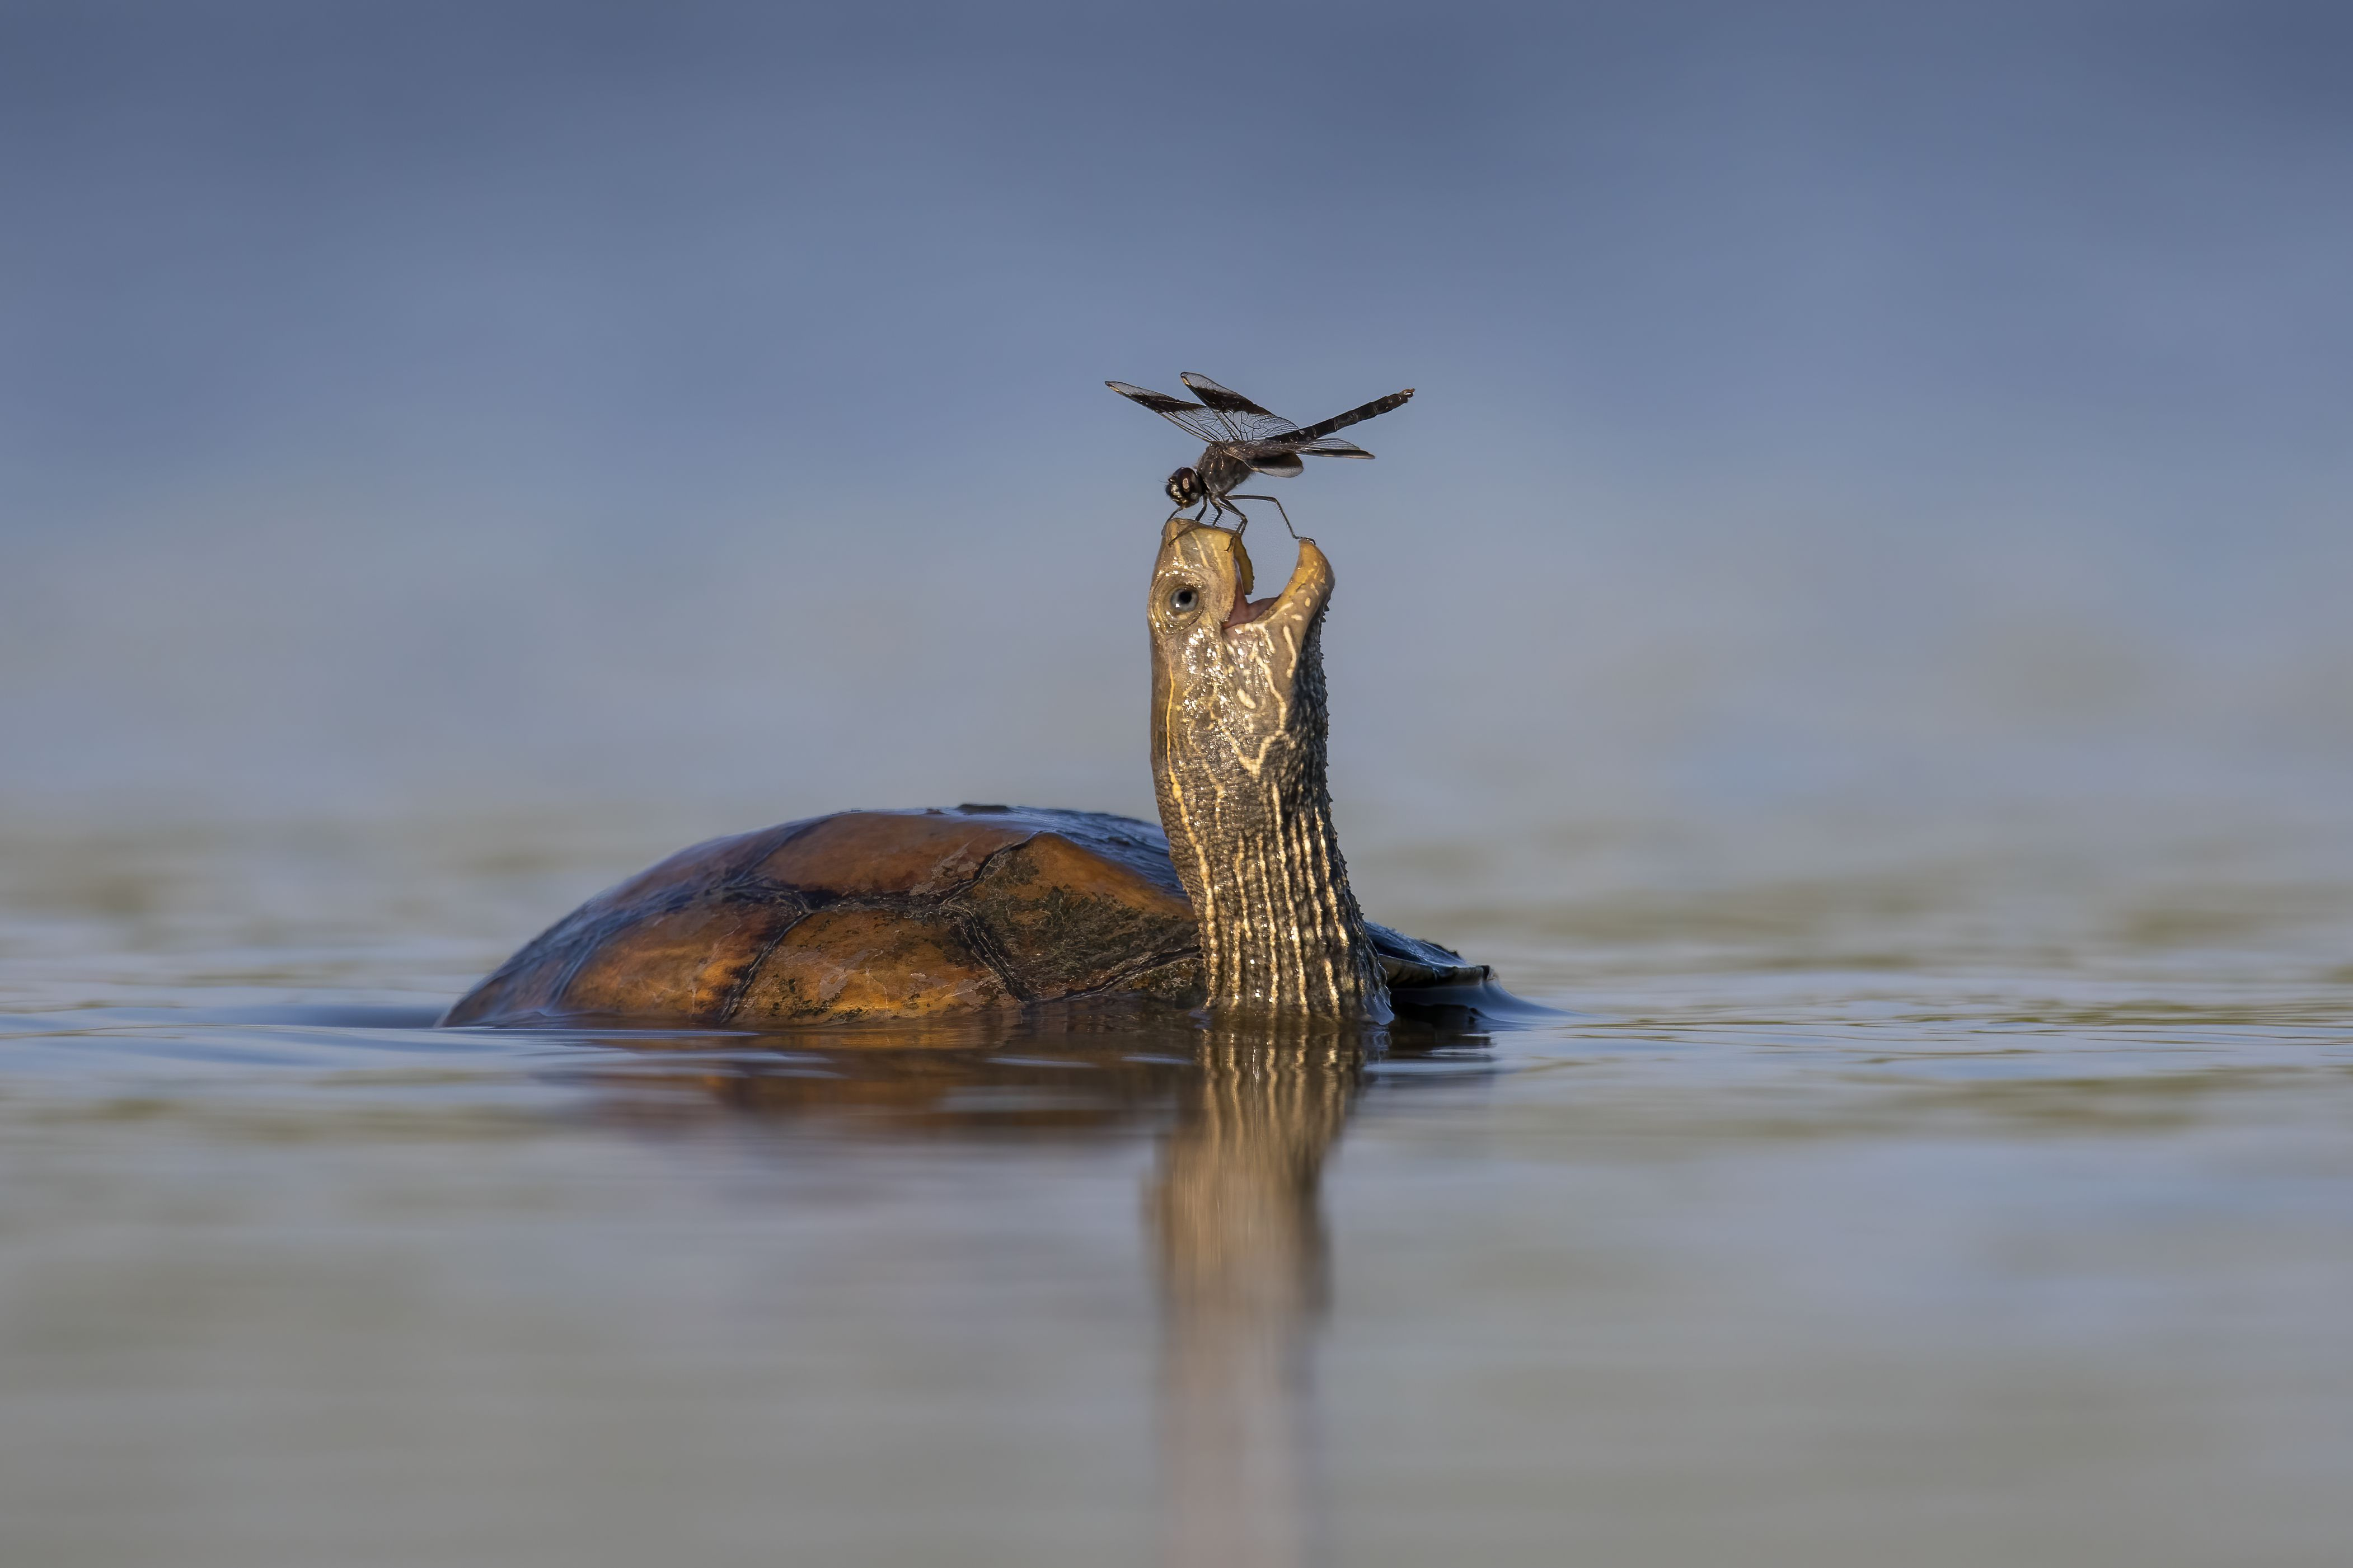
(1239, 726)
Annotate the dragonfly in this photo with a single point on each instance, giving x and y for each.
(1245, 440)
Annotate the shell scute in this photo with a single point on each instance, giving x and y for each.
(683, 964)
(864, 853)
(1061, 918)
(844, 964)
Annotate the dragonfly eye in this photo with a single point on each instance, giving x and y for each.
(1184, 487)
(1183, 600)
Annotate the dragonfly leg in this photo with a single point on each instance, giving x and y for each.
(1278, 506)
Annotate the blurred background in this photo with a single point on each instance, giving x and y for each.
(1911, 415)
(1856, 610)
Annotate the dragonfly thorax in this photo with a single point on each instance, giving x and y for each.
(1219, 468)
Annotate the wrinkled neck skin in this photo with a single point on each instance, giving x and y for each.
(1237, 760)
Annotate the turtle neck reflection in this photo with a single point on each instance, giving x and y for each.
(1234, 1207)
(1238, 1216)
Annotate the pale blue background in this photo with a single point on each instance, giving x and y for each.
(1925, 410)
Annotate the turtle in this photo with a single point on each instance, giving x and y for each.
(1238, 902)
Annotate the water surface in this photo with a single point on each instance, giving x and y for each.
(1984, 1201)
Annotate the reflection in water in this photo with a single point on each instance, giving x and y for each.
(1238, 1212)
(1234, 1207)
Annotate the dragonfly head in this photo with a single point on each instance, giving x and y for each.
(1185, 488)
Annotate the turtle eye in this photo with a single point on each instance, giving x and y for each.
(1183, 600)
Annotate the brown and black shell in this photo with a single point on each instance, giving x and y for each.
(883, 915)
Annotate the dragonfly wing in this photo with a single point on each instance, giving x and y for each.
(1250, 422)
(1331, 447)
(1280, 463)
(1189, 418)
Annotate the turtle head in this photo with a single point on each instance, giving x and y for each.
(1214, 645)
(1184, 487)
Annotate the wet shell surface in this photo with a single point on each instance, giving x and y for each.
(881, 915)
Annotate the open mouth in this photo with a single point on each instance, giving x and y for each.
(1245, 611)
(1309, 581)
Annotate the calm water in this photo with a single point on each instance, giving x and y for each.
(1980, 1200)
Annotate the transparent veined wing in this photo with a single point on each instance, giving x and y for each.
(1250, 422)
(1191, 417)
(1331, 447)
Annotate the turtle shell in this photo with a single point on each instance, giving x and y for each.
(882, 915)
